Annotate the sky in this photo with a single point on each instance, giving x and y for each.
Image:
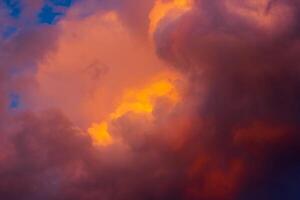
(149, 99)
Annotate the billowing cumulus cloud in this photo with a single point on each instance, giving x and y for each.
(175, 99)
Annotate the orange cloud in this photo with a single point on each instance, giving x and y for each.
(95, 61)
(163, 8)
(139, 101)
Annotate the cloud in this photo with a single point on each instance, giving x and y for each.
(95, 61)
(232, 134)
(250, 81)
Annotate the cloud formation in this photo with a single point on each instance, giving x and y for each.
(231, 134)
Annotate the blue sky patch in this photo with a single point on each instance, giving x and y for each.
(15, 101)
(14, 7)
(64, 3)
(48, 15)
(9, 31)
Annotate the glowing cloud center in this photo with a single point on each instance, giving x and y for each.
(139, 101)
(162, 8)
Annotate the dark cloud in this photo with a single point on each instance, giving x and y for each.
(37, 160)
(250, 74)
